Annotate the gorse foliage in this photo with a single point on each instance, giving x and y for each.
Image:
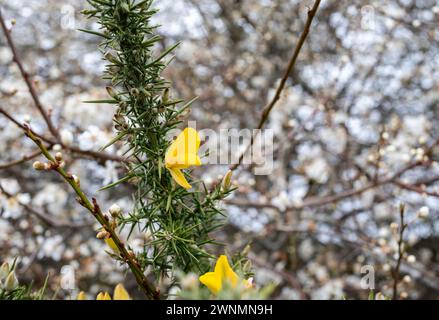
(10, 288)
(178, 220)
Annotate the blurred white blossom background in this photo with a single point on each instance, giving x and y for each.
(356, 135)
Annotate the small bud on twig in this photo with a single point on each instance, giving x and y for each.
(38, 165)
(115, 210)
(102, 235)
(58, 156)
(76, 179)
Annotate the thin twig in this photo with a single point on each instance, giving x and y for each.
(93, 207)
(416, 189)
(321, 201)
(22, 160)
(89, 153)
(396, 270)
(48, 220)
(267, 109)
(41, 109)
(27, 79)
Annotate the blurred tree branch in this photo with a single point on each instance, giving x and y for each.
(46, 115)
(267, 109)
(45, 218)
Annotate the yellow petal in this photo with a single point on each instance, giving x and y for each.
(120, 293)
(212, 281)
(183, 151)
(81, 296)
(179, 177)
(112, 245)
(103, 296)
(222, 273)
(224, 270)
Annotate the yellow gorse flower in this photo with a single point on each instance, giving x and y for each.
(182, 154)
(81, 296)
(103, 296)
(120, 293)
(222, 273)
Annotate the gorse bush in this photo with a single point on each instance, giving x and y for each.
(178, 216)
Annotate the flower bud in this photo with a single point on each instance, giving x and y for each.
(4, 270)
(411, 259)
(115, 210)
(81, 296)
(135, 92)
(103, 296)
(380, 296)
(66, 137)
(227, 180)
(11, 282)
(58, 156)
(247, 265)
(76, 179)
(423, 212)
(249, 283)
(165, 96)
(111, 57)
(112, 93)
(120, 293)
(38, 165)
(246, 250)
(102, 234)
(122, 105)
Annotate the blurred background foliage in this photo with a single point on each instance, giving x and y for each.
(355, 136)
